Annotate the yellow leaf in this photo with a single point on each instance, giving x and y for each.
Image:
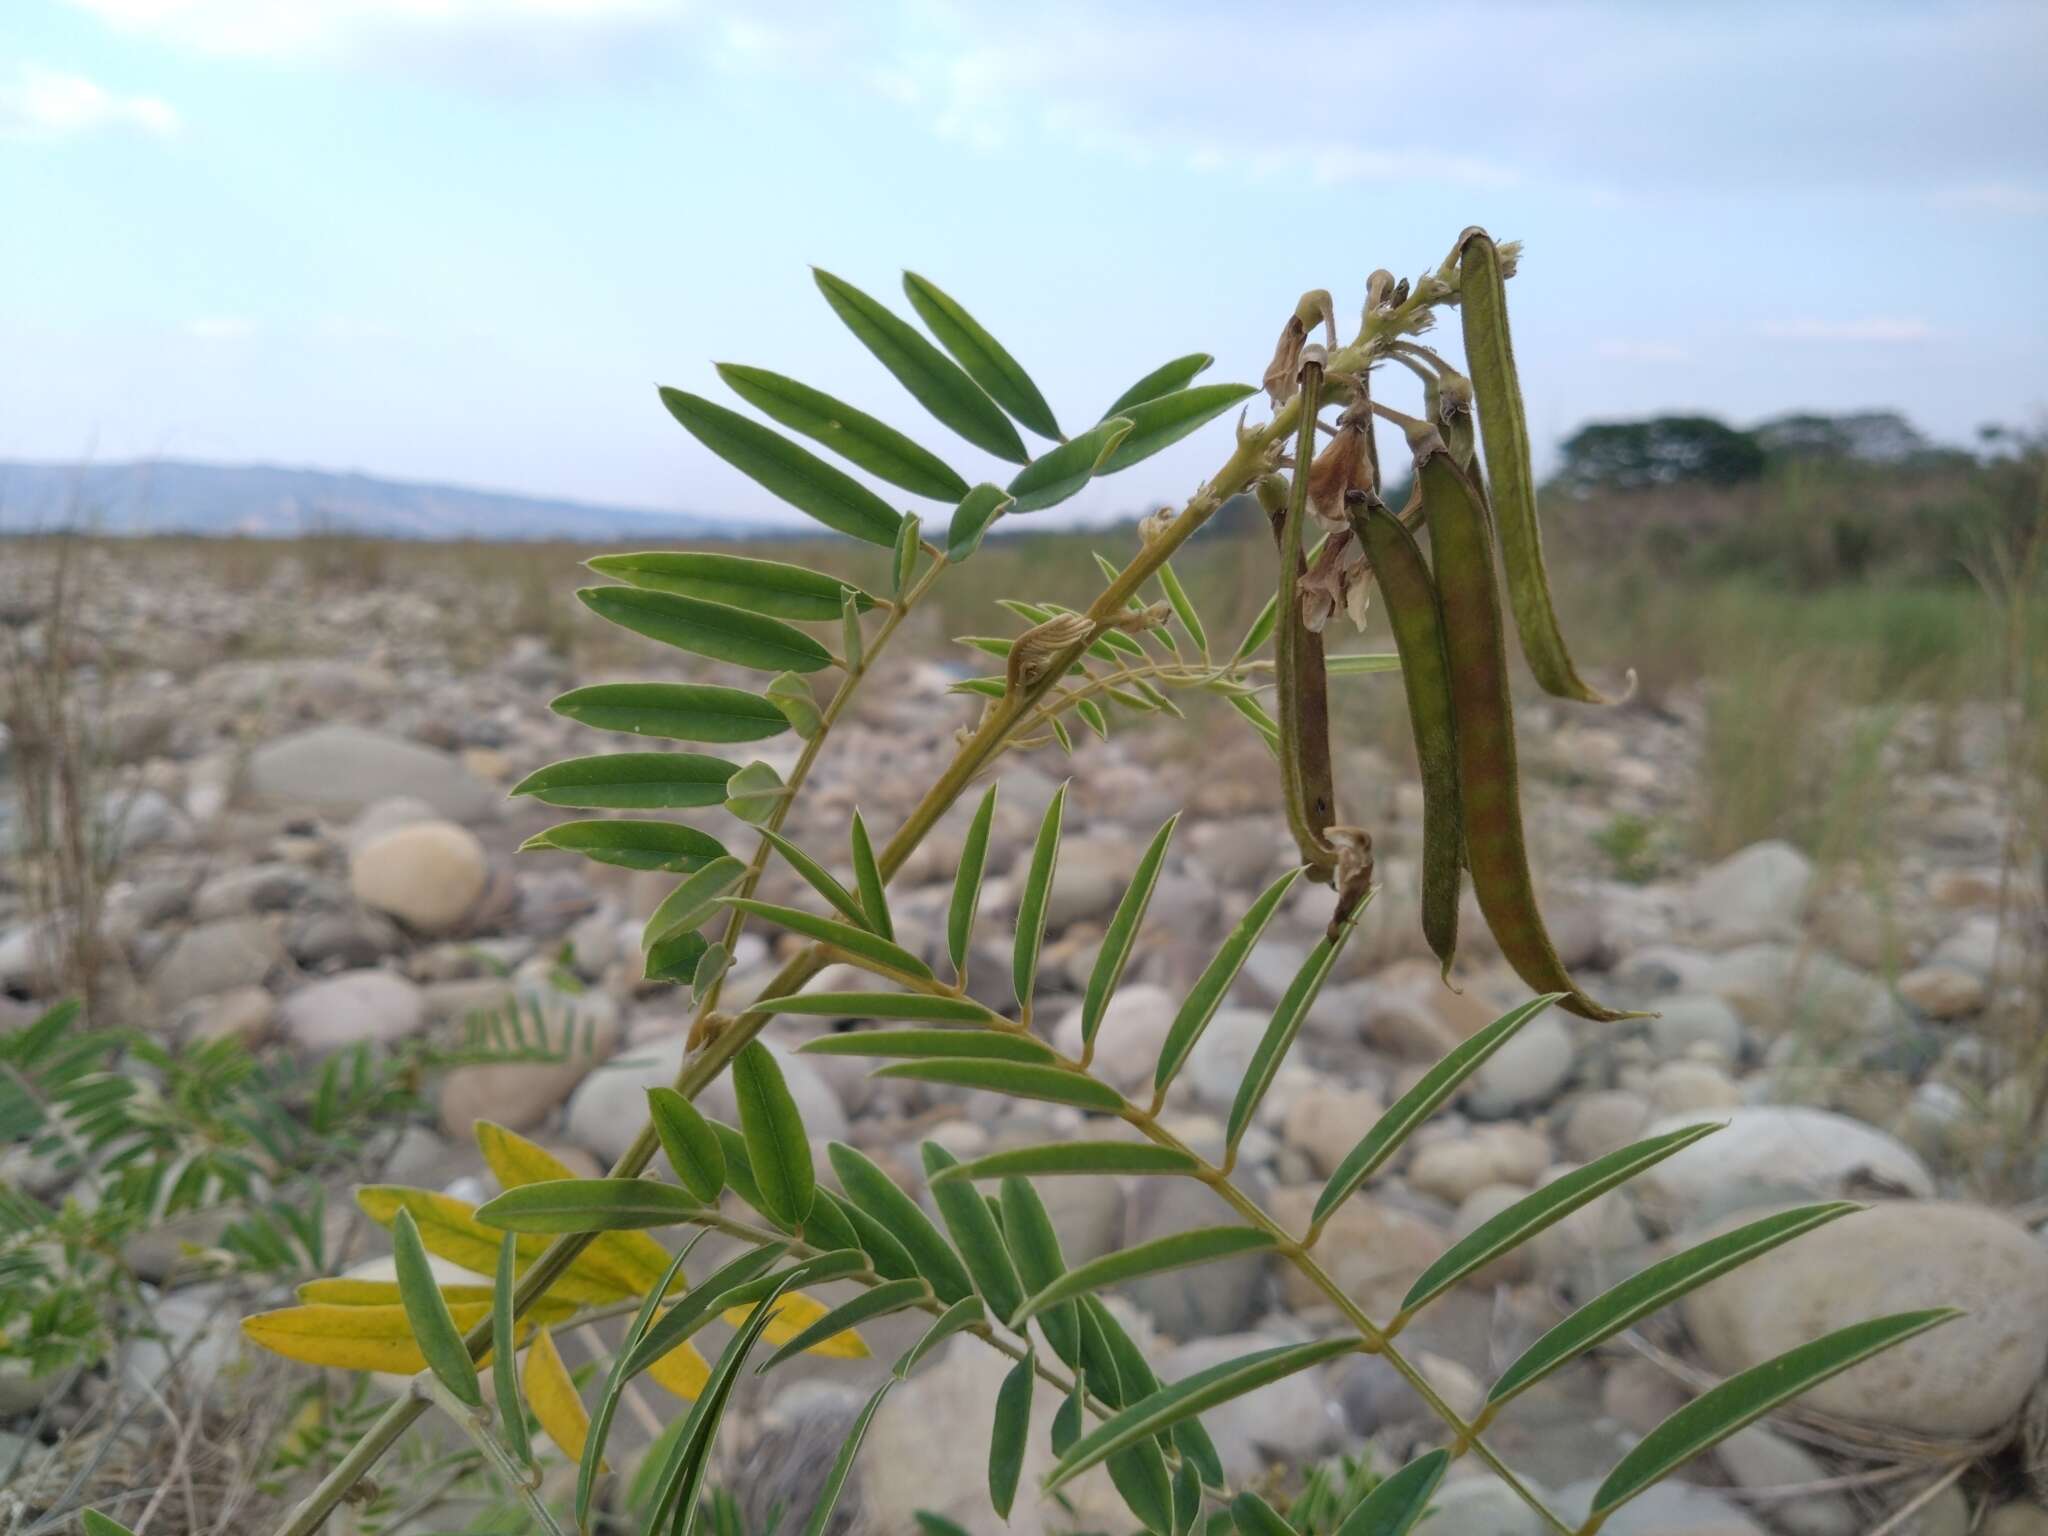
(793, 1314)
(682, 1371)
(450, 1230)
(551, 1392)
(632, 1260)
(349, 1338)
(351, 1291)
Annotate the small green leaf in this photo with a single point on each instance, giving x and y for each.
(874, 1192)
(1253, 1516)
(1719, 1412)
(1661, 1284)
(754, 793)
(878, 1005)
(773, 587)
(1020, 1080)
(1162, 422)
(630, 781)
(850, 640)
(1071, 1157)
(1072, 1415)
(984, 358)
(1163, 380)
(673, 711)
(842, 1464)
(1011, 1436)
(677, 957)
(1122, 934)
(704, 1302)
(967, 883)
(426, 1310)
(663, 845)
(1394, 1508)
(1037, 894)
(796, 703)
(689, 1141)
(854, 435)
(1183, 607)
(1203, 1245)
(934, 380)
(685, 909)
(1263, 723)
(1058, 473)
(1035, 1246)
(818, 878)
(711, 965)
(883, 1300)
(776, 1143)
(504, 1354)
(590, 1205)
(908, 540)
(1392, 1130)
(1261, 630)
(708, 629)
(1285, 1025)
(1092, 717)
(975, 1234)
(867, 874)
(592, 1460)
(1362, 664)
(1548, 1205)
(977, 1044)
(857, 943)
(978, 509)
(964, 1313)
(1207, 995)
(796, 475)
(888, 1257)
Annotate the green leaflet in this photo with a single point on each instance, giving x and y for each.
(615, 1383)
(975, 1234)
(1115, 953)
(1183, 607)
(1163, 421)
(1035, 1246)
(964, 1313)
(1267, 727)
(876, 1005)
(1279, 1037)
(917, 1044)
(1163, 380)
(842, 1464)
(1203, 1245)
(1207, 995)
(690, 1143)
(590, 1205)
(828, 1228)
(1072, 1157)
(1020, 1080)
(778, 465)
(1659, 1285)
(771, 587)
(1010, 1437)
(1261, 630)
(708, 629)
(739, 1166)
(673, 711)
(874, 1192)
(909, 541)
(934, 380)
(96, 1524)
(754, 792)
(776, 1144)
(1548, 1205)
(1058, 473)
(856, 943)
(1160, 1410)
(888, 1257)
(854, 435)
(850, 633)
(1071, 1415)
(890, 1297)
(705, 1301)
(1393, 1508)
(818, 878)
(664, 845)
(677, 957)
(796, 703)
(1253, 1516)
(1392, 1130)
(685, 909)
(630, 781)
(867, 874)
(1504, 431)
(711, 965)
(978, 509)
(967, 883)
(504, 1360)
(1031, 904)
(426, 1310)
(1716, 1414)
(984, 358)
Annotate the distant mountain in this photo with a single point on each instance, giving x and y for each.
(267, 501)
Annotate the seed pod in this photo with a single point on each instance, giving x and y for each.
(1415, 614)
(1307, 782)
(1489, 790)
(1453, 416)
(1504, 432)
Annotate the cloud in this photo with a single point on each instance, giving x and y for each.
(1871, 328)
(1623, 349)
(44, 103)
(1996, 197)
(354, 29)
(220, 328)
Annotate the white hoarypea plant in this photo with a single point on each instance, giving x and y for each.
(553, 1251)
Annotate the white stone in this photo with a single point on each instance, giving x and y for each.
(1768, 1152)
(336, 1012)
(1756, 894)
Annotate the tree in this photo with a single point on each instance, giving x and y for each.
(1662, 450)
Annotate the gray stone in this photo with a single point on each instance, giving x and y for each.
(1524, 1073)
(1325, 1123)
(1780, 989)
(340, 769)
(1756, 1458)
(1690, 1020)
(1089, 879)
(1207, 1299)
(1668, 1509)
(272, 886)
(1774, 1152)
(1217, 1065)
(1290, 1422)
(1602, 1122)
(1479, 1505)
(1133, 1028)
(332, 1014)
(1757, 894)
(213, 957)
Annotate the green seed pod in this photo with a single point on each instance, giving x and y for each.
(1504, 432)
(1416, 617)
(1489, 789)
(1307, 781)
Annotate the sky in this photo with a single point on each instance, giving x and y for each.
(462, 240)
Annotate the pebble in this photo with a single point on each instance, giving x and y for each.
(427, 875)
(374, 1007)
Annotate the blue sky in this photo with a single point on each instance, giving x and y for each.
(463, 239)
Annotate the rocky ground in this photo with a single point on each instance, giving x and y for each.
(317, 849)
